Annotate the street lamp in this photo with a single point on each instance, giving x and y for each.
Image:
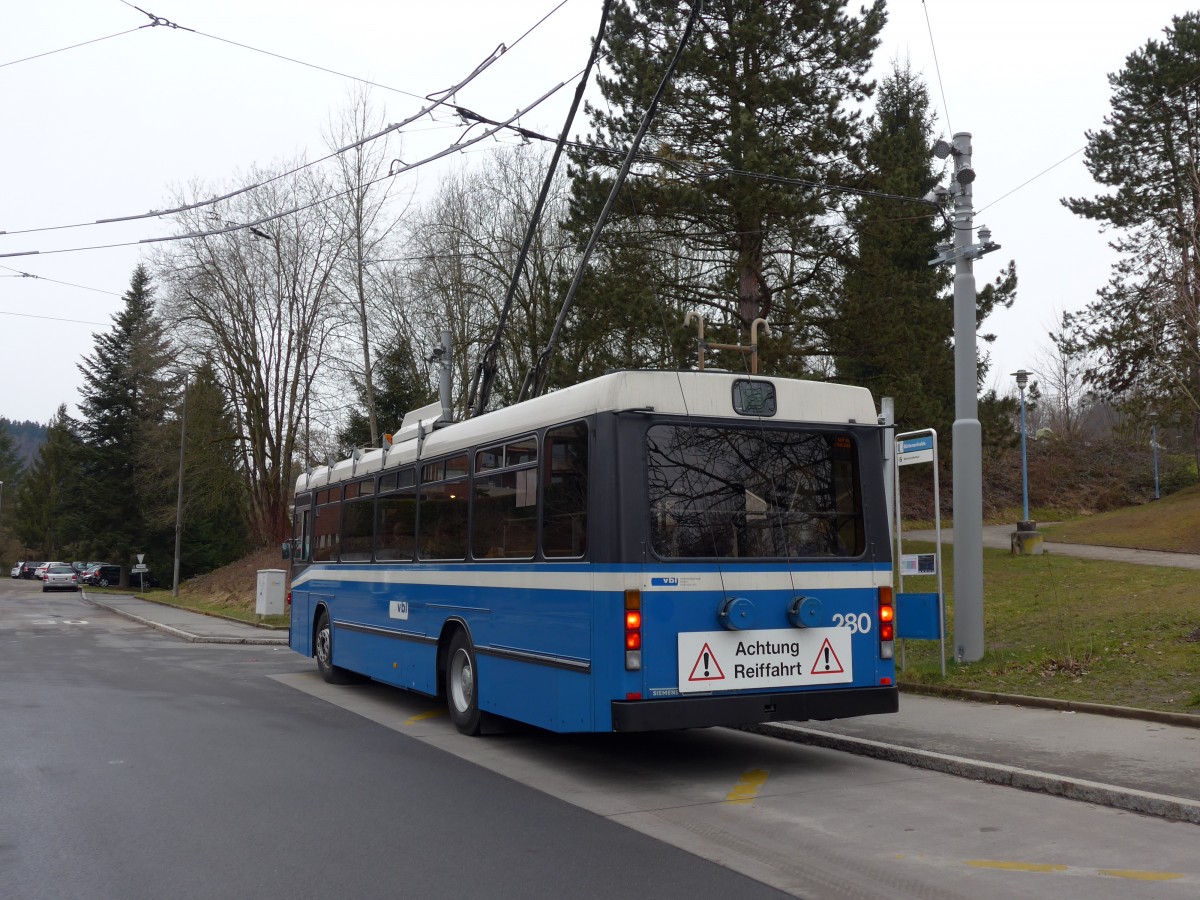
(1154, 446)
(1023, 379)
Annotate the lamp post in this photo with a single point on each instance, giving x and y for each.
(1023, 379)
(1154, 447)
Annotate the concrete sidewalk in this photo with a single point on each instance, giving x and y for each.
(1142, 761)
(1137, 764)
(183, 623)
(999, 537)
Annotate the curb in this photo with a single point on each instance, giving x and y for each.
(211, 615)
(185, 635)
(1184, 720)
(1132, 800)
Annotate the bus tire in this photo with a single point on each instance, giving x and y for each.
(323, 650)
(462, 685)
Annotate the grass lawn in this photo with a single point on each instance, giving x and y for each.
(1074, 629)
(1172, 523)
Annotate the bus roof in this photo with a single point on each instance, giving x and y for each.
(694, 394)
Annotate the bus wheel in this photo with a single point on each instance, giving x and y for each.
(324, 652)
(462, 685)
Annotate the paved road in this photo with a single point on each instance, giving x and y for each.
(181, 769)
(135, 765)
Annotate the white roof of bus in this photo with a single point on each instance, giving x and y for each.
(694, 394)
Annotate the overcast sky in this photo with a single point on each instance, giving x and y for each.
(112, 128)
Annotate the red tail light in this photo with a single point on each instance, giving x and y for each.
(887, 626)
(633, 630)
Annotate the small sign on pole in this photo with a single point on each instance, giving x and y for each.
(919, 447)
(915, 450)
(918, 564)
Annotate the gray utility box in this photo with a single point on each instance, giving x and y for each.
(271, 596)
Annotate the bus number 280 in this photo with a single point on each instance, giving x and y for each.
(860, 624)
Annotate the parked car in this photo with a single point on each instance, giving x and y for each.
(103, 575)
(28, 568)
(16, 570)
(40, 571)
(60, 577)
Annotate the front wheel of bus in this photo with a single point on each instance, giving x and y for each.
(323, 650)
(462, 685)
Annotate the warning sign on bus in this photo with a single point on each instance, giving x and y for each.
(707, 668)
(786, 657)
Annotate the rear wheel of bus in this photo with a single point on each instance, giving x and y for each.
(462, 685)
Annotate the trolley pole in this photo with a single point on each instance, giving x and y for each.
(967, 434)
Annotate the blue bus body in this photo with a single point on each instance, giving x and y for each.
(637, 553)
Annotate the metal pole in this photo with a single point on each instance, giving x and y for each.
(1024, 465)
(967, 433)
(179, 491)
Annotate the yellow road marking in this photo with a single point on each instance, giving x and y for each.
(747, 787)
(1014, 866)
(1138, 875)
(433, 713)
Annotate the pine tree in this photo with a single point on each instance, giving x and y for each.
(10, 469)
(762, 89)
(893, 325)
(1145, 324)
(399, 389)
(214, 512)
(125, 398)
(45, 511)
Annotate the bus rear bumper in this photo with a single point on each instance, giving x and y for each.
(751, 709)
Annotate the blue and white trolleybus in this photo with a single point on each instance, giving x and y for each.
(646, 550)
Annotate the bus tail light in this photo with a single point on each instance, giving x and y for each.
(887, 624)
(633, 629)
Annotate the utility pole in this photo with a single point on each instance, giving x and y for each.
(179, 491)
(967, 434)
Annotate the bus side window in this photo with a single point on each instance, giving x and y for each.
(565, 492)
(305, 531)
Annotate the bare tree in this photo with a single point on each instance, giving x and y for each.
(259, 302)
(460, 250)
(362, 163)
(1062, 378)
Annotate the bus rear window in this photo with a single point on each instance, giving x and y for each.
(753, 493)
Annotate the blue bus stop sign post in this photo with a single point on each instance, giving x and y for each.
(921, 616)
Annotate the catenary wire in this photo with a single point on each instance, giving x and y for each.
(408, 167)
(437, 99)
(108, 37)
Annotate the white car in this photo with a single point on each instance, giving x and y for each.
(40, 571)
(16, 571)
(60, 577)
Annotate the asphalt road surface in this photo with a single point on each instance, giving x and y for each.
(134, 765)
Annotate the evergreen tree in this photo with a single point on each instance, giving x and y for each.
(215, 531)
(399, 389)
(893, 325)
(770, 88)
(125, 398)
(45, 508)
(10, 471)
(1145, 324)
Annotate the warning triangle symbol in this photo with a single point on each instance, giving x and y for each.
(706, 668)
(827, 662)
